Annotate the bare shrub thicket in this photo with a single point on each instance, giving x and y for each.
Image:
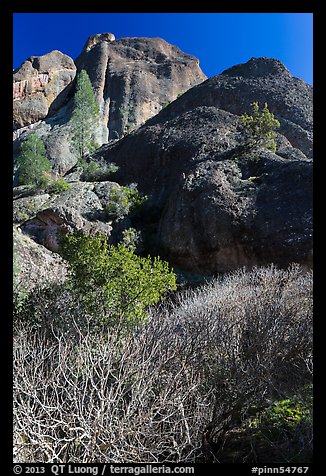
(172, 390)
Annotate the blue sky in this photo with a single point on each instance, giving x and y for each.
(218, 40)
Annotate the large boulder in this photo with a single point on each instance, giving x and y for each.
(243, 212)
(220, 205)
(37, 83)
(36, 264)
(79, 208)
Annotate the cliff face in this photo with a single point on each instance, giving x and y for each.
(221, 208)
(215, 206)
(37, 83)
(133, 78)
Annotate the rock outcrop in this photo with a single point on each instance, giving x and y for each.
(98, 38)
(37, 83)
(79, 208)
(36, 264)
(260, 79)
(214, 205)
(133, 78)
(221, 206)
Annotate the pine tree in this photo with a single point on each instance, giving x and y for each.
(85, 116)
(260, 127)
(32, 163)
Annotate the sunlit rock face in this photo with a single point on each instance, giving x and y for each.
(37, 83)
(132, 78)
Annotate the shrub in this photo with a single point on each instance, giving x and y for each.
(260, 127)
(179, 388)
(32, 163)
(20, 294)
(105, 399)
(116, 285)
(97, 171)
(135, 198)
(284, 417)
(59, 186)
(118, 204)
(257, 329)
(124, 201)
(285, 427)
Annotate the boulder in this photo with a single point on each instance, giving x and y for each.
(238, 213)
(97, 38)
(290, 99)
(37, 83)
(25, 207)
(221, 205)
(79, 208)
(35, 263)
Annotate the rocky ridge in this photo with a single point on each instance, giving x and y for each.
(263, 79)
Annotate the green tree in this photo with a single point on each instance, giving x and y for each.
(260, 127)
(113, 283)
(32, 163)
(85, 116)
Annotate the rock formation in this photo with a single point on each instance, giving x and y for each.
(37, 83)
(133, 78)
(98, 38)
(214, 206)
(36, 264)
(222, 208)
(262, 79)
(80, 207)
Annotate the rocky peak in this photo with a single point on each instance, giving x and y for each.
(214, 207)
(45, 64)
(260, 79)
(257, 68)
(98, 38)
(133, 78)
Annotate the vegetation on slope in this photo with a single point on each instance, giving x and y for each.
(221, 374)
